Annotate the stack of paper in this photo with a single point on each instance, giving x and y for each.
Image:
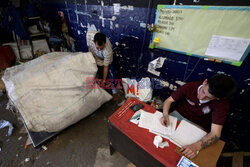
(161, 130)
(187, 133)
(145, 120)
(153, 124)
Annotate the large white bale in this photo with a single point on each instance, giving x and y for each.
(51, 91)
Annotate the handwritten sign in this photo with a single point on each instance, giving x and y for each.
(189, 29)
(167, 20)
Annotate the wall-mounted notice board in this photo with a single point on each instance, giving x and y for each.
(219, 33)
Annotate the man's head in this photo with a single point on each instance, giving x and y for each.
(217, 87)
(99, 40)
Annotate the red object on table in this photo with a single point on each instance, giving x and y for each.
(142, 137)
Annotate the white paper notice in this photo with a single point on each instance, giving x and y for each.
(227, 48)
(146, 119)
(153, 65)
(117, 7)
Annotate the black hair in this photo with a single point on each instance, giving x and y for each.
(100, 38)
(221, 85)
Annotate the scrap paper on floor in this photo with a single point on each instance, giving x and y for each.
(146, 120)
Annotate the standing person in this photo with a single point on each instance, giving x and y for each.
(101, 48)
(204, 104)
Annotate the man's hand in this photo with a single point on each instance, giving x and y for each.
(190, 151)
(105, 72)
(165, 120)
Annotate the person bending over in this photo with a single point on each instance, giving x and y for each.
(101, 48)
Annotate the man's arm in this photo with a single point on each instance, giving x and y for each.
(90, 50)
(105, 72)
(191, 150)
(167, 104)
(108, 59)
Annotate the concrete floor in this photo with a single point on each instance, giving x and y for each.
(84, 144)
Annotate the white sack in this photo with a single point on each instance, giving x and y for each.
(50, 91)
(141, 90)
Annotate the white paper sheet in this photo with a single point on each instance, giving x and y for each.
(161, 130)
(158, 127)
(145, 120)
(173, 122)
(117, 7)
(228, 48)
(186, 133)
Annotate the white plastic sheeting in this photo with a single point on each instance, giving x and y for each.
(51, 91)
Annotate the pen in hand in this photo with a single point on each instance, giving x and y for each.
(164, 121)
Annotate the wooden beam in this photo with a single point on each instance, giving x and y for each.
(238, 159)
(232, 153)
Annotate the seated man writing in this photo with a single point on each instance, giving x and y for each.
(204, 104)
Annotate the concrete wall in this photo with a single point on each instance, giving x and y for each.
(130, 38)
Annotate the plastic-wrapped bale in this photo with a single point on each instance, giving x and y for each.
(51, 91)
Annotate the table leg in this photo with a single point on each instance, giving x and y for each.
(111, 149)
